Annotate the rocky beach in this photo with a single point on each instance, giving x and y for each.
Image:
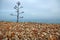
(29, 31)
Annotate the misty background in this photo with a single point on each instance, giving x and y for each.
(44, 11)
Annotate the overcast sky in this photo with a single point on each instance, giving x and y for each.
(33, 9)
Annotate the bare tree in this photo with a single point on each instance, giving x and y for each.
(17, 7)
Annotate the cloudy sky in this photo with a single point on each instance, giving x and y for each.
(33, 9)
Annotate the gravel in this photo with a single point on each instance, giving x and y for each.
(29, 31)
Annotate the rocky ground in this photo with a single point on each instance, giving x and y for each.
(29, 31)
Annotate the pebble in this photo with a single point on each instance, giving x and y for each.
(41, 31)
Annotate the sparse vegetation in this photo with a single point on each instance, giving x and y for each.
(17, 7)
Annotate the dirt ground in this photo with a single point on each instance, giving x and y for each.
(29, 31)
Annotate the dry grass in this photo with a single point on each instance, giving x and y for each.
(29, 31)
